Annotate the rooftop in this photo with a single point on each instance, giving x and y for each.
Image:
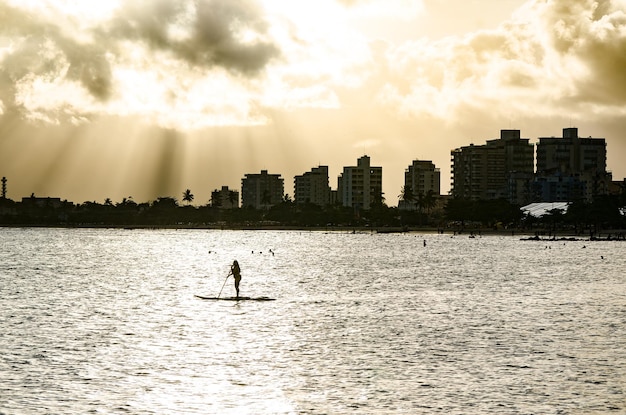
(537, 210)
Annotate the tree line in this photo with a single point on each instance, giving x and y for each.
(418, 212)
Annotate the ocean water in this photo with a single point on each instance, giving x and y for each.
(105, 321)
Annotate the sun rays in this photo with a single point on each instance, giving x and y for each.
(281, 85)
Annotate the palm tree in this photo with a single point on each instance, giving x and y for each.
(266, 198)
(378, 198)
(406, 195)
(420, 202)
(429, 200)
(216, 200)
(233, 198)
(187, 196)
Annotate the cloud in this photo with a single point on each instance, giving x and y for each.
(192, 63)
(56, 66)
(396, 9)
(552, 56)
(225, 33)
(592, 33)
(36, 49)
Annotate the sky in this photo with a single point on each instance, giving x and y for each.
(148, 98)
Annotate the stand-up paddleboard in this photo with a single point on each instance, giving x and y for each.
(235, 298)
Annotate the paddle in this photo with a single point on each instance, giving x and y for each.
(218, 296)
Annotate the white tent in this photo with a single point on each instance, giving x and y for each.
(537, 210)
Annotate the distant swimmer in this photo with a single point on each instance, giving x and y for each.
(235, 271)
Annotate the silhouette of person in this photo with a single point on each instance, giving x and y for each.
(236, 271)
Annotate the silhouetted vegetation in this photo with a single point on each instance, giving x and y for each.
(425, 212)
(488, 213)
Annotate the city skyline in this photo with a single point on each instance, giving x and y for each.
(149, 98)
(503, 168)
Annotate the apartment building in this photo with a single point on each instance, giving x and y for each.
(312, 187)
(360, 186)
(571, 168)
(423, 177)
(225, 198)
(262, 190)
(501, 168)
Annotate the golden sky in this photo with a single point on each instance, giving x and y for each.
(147, 98)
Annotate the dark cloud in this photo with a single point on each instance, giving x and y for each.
(40, 49)
(89, 66)
(201, 33)
(212, 30)
(22, 59)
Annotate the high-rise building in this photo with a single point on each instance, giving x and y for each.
(501, 169)
(312, 187)
(422, 178)
(262, 190)
(571, 168)
(225, 198)
(360, 186)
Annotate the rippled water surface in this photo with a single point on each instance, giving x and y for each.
(105, 321)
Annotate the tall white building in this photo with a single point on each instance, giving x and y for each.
(360, 186)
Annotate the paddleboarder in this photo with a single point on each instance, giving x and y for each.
(236, 272)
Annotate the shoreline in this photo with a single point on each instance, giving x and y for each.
(523, 234)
